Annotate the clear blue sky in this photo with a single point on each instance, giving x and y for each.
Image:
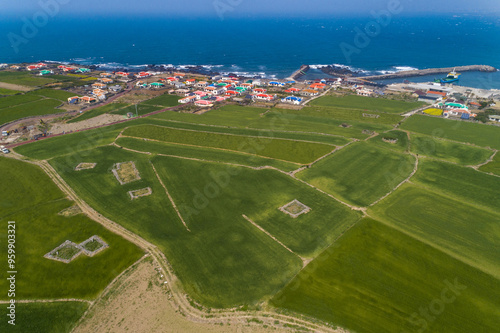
(247, 7)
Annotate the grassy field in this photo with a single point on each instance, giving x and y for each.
(164, 100)
(347, 115)
(279, 120)
(465, 184)
(493, 166)
(61, 95)
(223, 261)
(99, 111)
(359, 174)
(367, 103)
(37, 108)
(10, 101)
(478, 134)
(24, 78)
(376, 279)
(29, 198)
(57, 317)
(313, 137)
(449, 151)
(7, 92)
(454, 226)
(287, 150)
(402, 143)
(142, 109)
(203, 153)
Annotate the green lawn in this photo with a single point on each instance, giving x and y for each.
(378, 280)
(360, 173)
(29, 198)
(448, 150)
(7, 92)
(367, 103)
(287, 150)
(37, 108)
(24, 78)
(203, 153)
(493, 166)
(98, 111)
(164, 100)
(56, 317)
(457, 130)
(224, 260)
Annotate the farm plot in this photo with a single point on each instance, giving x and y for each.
(58, 94)
(367, 103)
(203, 153)
(361, 173)
(221, 262)
(108, 108)
(30, 199)
(459, 229)
(346, 114)
(268, 133)
(164, 100)
(466, 184)
(377, 279)
(8, 92)
(142, 109)
(493, 166)
(457, 130)
(397, 140)
(24, 78)
(287, 150)
(448, 150)
(52, 317)
(6, 102)
(38, 108)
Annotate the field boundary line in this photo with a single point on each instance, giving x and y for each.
(252, 128)
(207, 147)
(477, 166)
(240, 135)
(169, 197)
(304, 261)
(415, 169)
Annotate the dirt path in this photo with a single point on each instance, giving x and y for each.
(139, 303)
(49, 300)
(169, 197)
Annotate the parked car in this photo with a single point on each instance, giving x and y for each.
(5, 151)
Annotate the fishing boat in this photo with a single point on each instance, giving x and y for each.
(452, 77)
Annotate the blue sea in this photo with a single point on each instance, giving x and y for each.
(266, 47)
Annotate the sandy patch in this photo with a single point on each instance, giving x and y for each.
(96, 121)
(12, 86)
(139, 303)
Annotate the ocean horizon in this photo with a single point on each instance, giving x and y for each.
(272, 48)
